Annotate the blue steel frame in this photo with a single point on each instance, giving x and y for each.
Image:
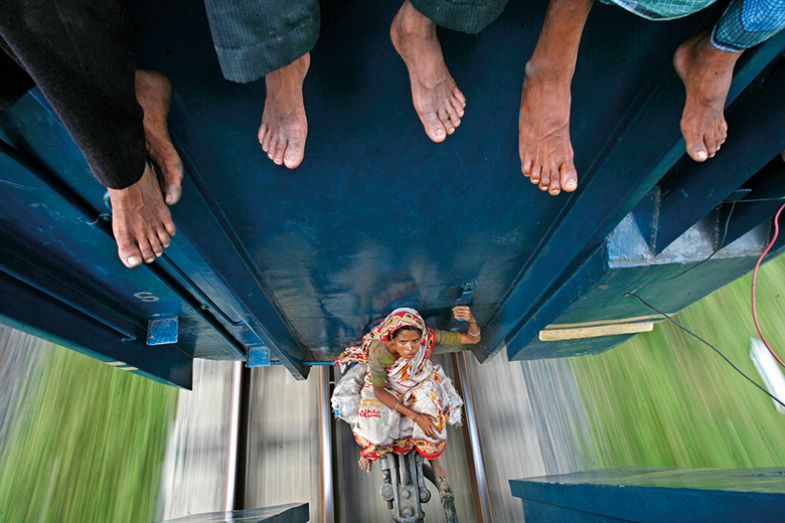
(302, 263)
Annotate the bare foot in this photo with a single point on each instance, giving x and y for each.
(544, 131)
(365, 465)
(707, 73)
(438, 101)
(141, 221)
(439, 471)
(154, 94)
(284, 126)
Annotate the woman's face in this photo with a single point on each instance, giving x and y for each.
(405, 343)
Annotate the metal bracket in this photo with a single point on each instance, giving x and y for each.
(162, 331)
(257, 357)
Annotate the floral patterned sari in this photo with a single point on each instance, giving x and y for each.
(417, 383)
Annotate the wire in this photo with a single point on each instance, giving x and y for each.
(757, 200)
(715, 349)
(755, 282)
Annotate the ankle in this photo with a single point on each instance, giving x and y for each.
(289, 75)
(701, 49)
(546, 70)
(411, 22)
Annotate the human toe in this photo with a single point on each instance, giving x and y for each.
(163, 237)
(148, 255)
(568, 177)
(458, 95)
(294, 153)
(155, 244)
(536, 172)
(457, 106)
(128, 252)
(554, 188)
(277, 152)
(455, 119)
(545, 180)
(712, 144)
(694, 145)
(444, 118)
(526, 166)
(262, 133)
(434, 128)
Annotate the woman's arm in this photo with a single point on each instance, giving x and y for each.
(473, 335)
(423, 420)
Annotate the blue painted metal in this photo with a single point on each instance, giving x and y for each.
(767, 193)
(289, 513)
(258, 357)
(691, 190)
(162, 331)
(378, 217)
(671, 280)
(717, 495)
(24, 308)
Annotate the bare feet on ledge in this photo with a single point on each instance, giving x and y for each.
(544, 131)
(438, 101)
(365, 465)
(707, 73)
(284, 126)
(141, 222)
(154, 94)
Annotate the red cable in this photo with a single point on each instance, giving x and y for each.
(755, 280)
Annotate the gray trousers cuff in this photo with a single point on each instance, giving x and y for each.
(466, 16)
(254, 37)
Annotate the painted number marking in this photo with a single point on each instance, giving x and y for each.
(147, 297)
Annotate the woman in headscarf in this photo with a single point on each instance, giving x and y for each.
(396, 399)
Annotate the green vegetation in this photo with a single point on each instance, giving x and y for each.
(90, 447)
(663, 399)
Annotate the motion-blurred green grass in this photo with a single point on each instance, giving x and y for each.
(90, 447)
(663, 399)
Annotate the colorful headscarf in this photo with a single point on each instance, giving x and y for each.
(404, 372)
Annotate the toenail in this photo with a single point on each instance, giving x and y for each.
(570, 185)
(555, 192)
(133, 261)
(702, 155)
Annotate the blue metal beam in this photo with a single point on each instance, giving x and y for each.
(26, 309)
(637, 494)
(757, 134)
(766, 196)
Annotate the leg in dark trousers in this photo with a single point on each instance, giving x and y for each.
(270, 38)
(79, 54)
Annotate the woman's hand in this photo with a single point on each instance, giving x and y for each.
(425, 422)
(464, 312)
(472, 336)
